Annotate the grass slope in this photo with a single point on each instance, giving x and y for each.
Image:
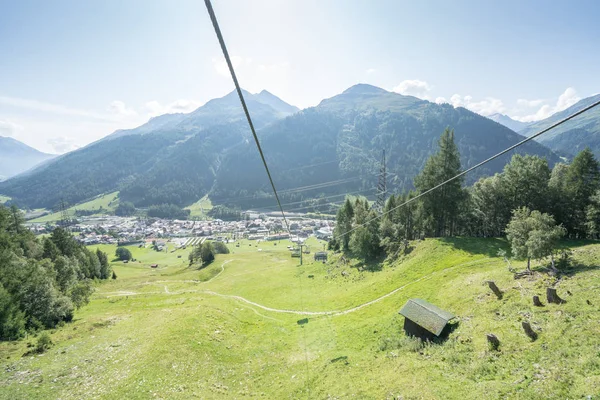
(200, 208)
(176, 332)
(4, 199)
(104, 203)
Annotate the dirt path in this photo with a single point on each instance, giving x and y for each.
(339, 312)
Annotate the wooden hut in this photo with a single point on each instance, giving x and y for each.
(424, 320)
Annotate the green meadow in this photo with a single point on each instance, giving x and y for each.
(256, 324)
(200, 208)
(104, 203)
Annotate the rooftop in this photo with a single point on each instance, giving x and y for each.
(425, 314)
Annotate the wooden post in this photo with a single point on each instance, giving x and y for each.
(537, 302)
(495, 289)
(528, 331)
(553, 297)
(493, 341)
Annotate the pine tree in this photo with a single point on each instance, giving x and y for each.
(344, 218)
(441, 207)
(525, 183)
(582, 181)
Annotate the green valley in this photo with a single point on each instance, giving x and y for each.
(232, 329)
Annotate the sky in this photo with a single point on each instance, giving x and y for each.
(72, 72)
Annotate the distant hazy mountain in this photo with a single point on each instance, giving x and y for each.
(508, 122)
(17, 157)
(335, 146)
(572, 136)
(281, 106)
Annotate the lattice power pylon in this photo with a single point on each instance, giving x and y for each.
(65, 221)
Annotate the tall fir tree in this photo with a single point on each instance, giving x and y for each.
(441, 207)
(581, 182)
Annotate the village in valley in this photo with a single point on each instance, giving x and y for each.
(110, 229)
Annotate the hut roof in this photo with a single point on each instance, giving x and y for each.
(426, 315)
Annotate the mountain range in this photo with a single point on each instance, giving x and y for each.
(327, 150)
(568, 139)
(508, 122)
(16, 157)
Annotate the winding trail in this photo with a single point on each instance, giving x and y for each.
(349, 310)
(299, 312)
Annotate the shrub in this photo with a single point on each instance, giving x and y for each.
(220, 248)
(44, 343)
(123, 254)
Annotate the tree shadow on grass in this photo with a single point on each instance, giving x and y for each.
(370, 264)
(485, 246)
(577, 268)
(575, 243)
(490, 246)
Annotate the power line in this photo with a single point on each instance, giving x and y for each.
(308, 166)
(514, 146)
(313, 198)
(298, 189)
(213, 18)
(321, 185)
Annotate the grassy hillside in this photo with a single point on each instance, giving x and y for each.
(231, 330)
(4, 199)
(104, 203)
(200, 208)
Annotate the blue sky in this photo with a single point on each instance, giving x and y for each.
(72, 72)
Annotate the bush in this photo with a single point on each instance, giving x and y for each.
(44, 343)
(220, 248)
(81, 292)
(123, 254)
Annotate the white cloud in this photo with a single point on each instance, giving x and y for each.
(62, 144)
(487, 106)
(524, 113)
(8, 128)
(441, 100)
(117, 107)
(371, 71)
(567, 99)
(414, 87)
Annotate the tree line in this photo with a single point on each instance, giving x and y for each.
(42, 281)
(566, 196)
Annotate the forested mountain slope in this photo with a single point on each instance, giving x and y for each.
(178, 158)
(573, 136)
(349, 132)
(150, 157)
